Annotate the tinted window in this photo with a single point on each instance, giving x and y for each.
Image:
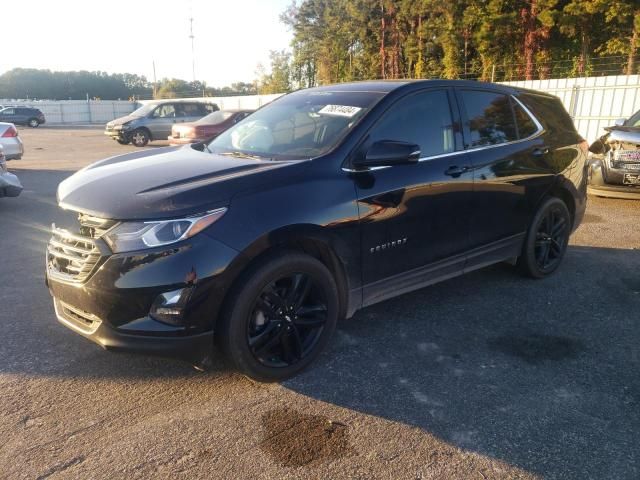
(188, 110)
(526, 125)
(8, 111)
(634, 121)
(423, 118)
(490, 118)
(549, 111)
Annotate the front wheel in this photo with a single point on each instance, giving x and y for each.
(279, 317)
(123, 141)
(140, 137)
(547, 239)
(34, 123)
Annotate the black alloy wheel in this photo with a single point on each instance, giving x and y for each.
(286, 320)
(279, 316)
(547, 239)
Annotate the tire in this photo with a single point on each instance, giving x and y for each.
(33, 123)
(123, 141)
(547, 239)
(267, 332)
(139, 137)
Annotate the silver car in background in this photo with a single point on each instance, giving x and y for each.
(10, 186)
(10, 141)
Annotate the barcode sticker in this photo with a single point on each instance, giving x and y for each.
(339, 110)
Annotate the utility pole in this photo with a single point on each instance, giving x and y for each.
(155, 83)
(193, 55)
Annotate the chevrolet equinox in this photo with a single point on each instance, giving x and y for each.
(325, 201)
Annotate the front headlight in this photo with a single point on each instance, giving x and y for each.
(130, 236)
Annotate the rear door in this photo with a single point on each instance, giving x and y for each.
(189, 112)
(414, 218)
(510, 169)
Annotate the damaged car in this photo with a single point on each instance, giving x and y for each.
(614, 166)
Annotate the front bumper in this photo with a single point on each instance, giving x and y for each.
(112, 307)
(10, 186)
(604, 181)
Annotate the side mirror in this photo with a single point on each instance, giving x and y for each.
(620, 122)
(386, 153)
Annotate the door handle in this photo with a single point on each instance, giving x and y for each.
(540, 152)
(455, 171)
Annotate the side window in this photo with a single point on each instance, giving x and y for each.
(489, 117)
(210, 108)
(165, 111)
(187, 110)
(8, 111)
(526, 125)
(423, 118)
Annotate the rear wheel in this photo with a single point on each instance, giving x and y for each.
(547, 239)
(34, 122)
(140, 137)
(280, 317)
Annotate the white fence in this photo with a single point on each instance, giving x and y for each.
(592, 102)
(78, 111)
(70, 112)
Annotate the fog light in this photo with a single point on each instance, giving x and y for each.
(169, 307)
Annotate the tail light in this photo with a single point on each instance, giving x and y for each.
(189, 132)
(10, 132)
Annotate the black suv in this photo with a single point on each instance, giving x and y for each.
(323, 202)
(22, 116)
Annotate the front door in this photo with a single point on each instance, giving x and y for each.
(414, 218)
(162, 120)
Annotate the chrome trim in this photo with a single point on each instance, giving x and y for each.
(539, 132)
(96, 322)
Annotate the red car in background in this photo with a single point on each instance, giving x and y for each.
(207, 127)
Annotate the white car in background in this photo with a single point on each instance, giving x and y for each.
(9, 184)
(10, 141)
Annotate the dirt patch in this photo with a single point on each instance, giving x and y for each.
(537, 348)
(293, 439)
(591, 218)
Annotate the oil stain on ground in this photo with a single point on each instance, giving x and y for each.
(536, 348)
(293, 439)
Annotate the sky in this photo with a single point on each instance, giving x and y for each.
(117, 36)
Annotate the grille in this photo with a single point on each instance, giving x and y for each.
(72, 256)
(626, 160)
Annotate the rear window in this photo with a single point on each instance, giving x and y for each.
(489, 118)
(549, 111)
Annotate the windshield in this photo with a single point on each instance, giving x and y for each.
(144, 110)
(215, 117)
(634, 121)
(304, 124)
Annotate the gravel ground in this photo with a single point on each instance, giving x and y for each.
(486, 376)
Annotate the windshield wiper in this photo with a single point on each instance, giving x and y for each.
(244, 155)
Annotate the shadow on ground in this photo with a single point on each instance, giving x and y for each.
(540, 374)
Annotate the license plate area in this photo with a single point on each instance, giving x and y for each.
(631, 179)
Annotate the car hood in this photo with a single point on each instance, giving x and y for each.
(122, 120)
(167, 182)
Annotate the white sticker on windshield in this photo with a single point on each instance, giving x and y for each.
(339, 110)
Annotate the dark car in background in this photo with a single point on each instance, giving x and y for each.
(325, 201)
(207, 128)
(30, 116)
(614, 168)
(154, 120)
